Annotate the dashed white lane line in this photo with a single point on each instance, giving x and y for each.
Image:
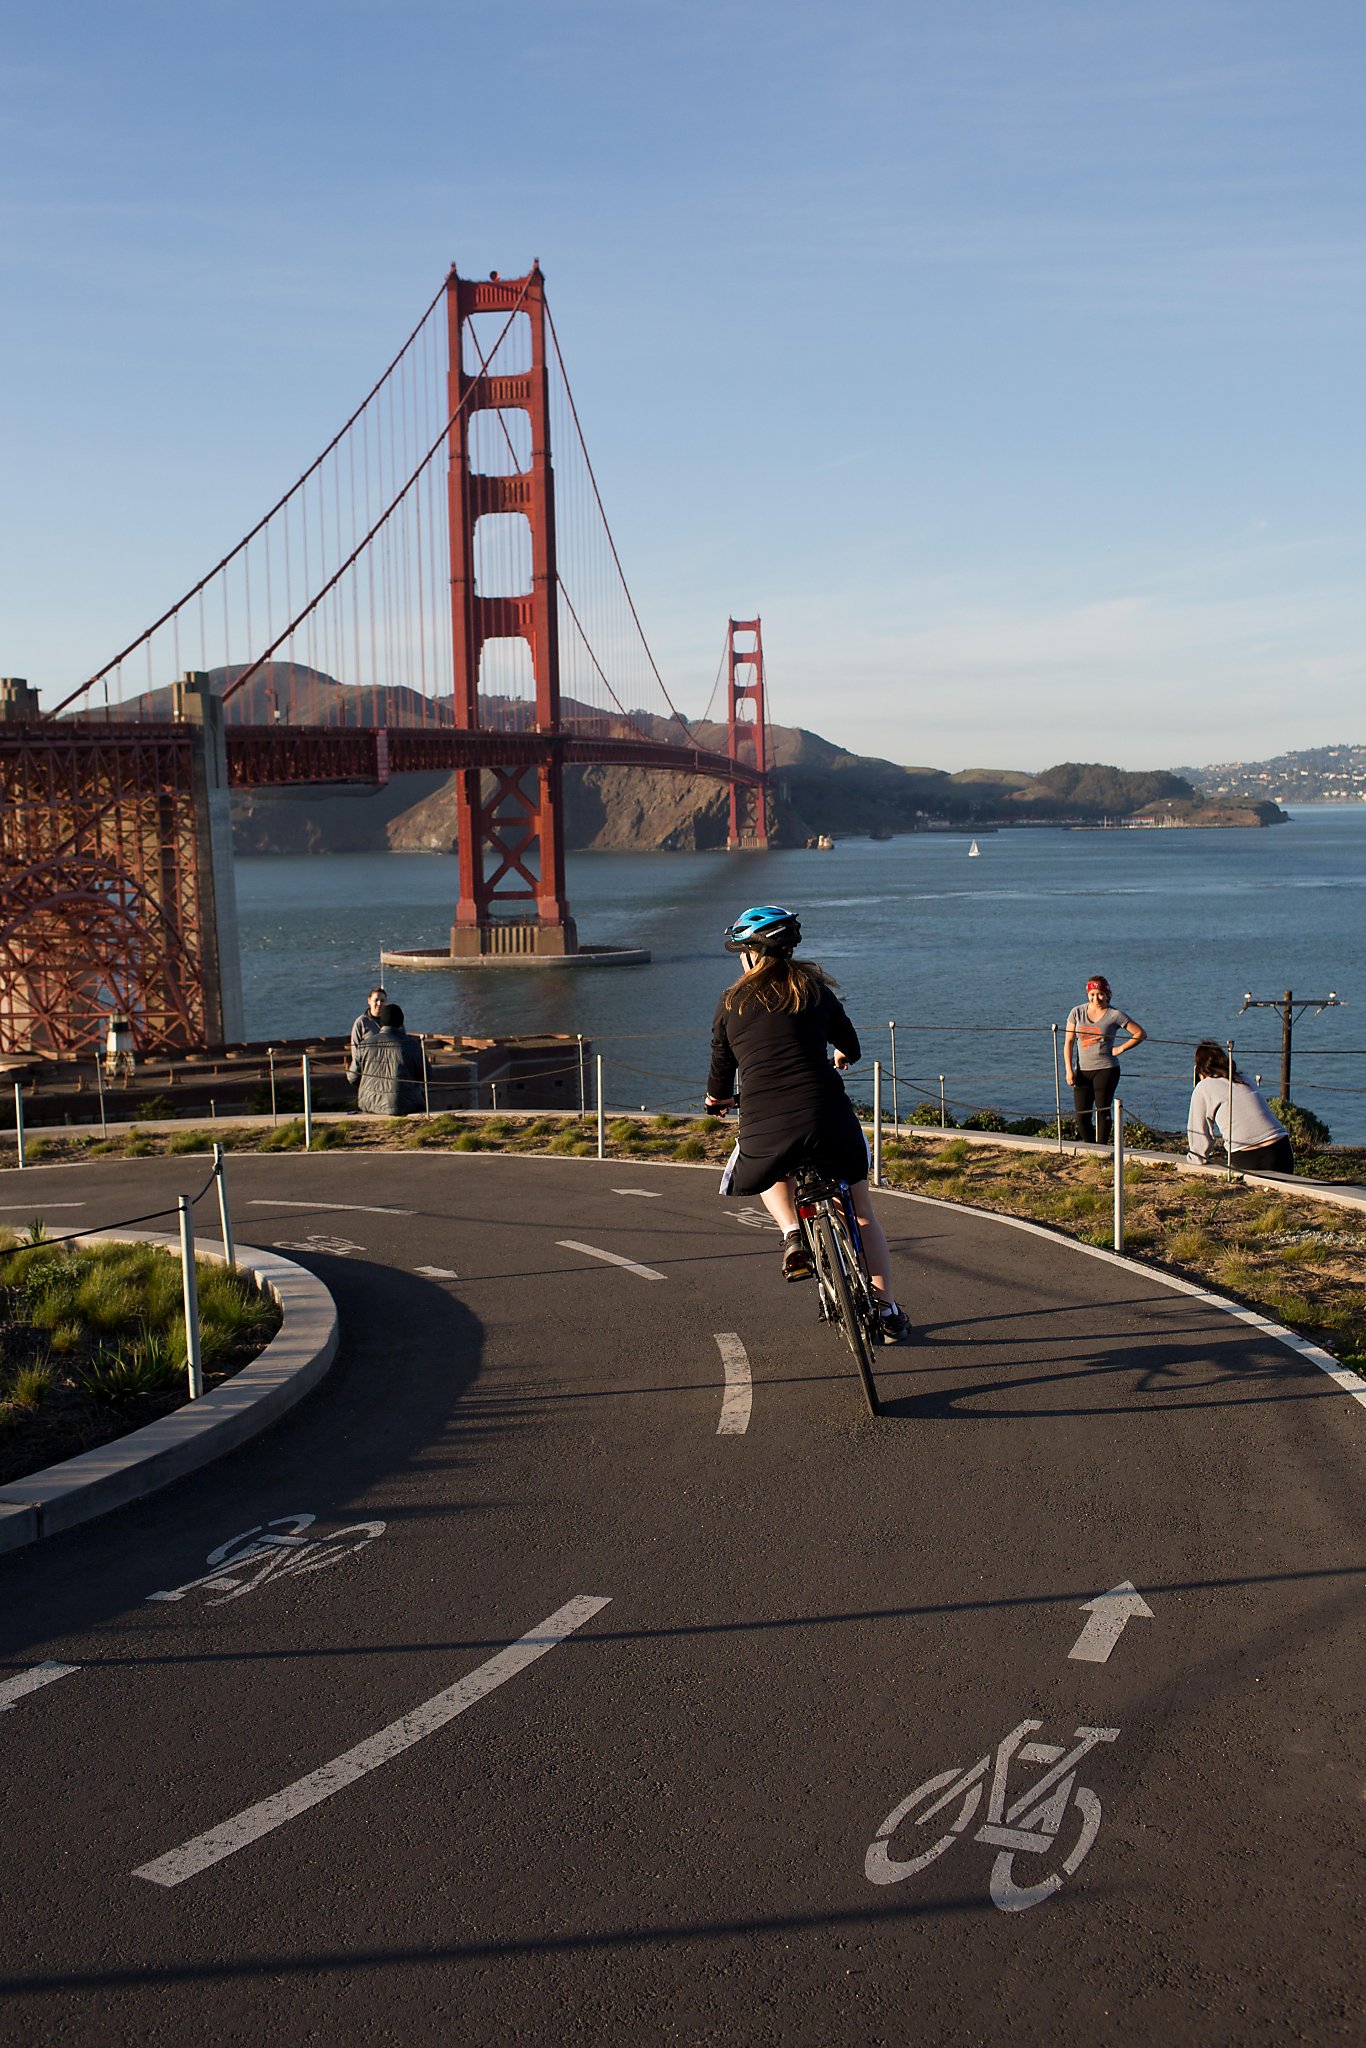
(27, 1207)
(592, 1251)
(249, 1826)
(360, 1208)
(739, 1394)
(649, 1194)
(437, 1272)
(14, 1689)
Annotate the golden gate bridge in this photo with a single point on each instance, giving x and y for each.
(433, 592)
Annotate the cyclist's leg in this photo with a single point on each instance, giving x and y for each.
(875, 1246)
(781, 1204)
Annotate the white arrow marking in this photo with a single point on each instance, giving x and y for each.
(1110, 1613)
(650, 1194)
(437, 1272)
(29, 1681)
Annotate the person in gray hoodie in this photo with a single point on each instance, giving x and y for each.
(386, 1067)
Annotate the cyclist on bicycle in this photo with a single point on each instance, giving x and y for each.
(773, 1026)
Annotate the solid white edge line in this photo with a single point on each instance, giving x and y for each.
(14, 1689)
(592, 1251)
(255, 1821)
(1347, 1381)
(737, 1400)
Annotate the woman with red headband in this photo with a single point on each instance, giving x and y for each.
(1091, 1058)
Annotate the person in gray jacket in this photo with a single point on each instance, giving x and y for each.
(386, 1067)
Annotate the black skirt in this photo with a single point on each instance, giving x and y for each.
(793, 1108)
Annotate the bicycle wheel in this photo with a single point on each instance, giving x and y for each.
(836, 1257)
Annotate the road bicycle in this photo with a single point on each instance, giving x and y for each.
(1027, 1827)
(825, 1211)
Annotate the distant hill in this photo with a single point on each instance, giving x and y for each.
(817, 787)
(1324, 775)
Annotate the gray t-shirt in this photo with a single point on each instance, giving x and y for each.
(1096, 1037)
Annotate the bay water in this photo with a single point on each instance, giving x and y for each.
(974, 959)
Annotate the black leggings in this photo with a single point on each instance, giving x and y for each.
(1092, 1093)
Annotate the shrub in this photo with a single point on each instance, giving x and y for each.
(497, 1126)
(984, 1120)
(1028, 1127)
(145, 1364)
(152, 1108)
(954, 1152)
(473, 1141)
(926, 1113)
(664, 1122)
(138, 1145)
(330, 1137)
(690, 1148)
(190, 1141)
(1308, 1133)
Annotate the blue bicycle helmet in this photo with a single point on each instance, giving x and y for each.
(766, 928)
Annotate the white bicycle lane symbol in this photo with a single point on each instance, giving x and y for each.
(1030, 1825)
(277, 1549)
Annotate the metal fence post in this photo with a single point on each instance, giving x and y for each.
(583, 1086)
(19, 1121)
(426, 1091)
(1057, 1085)
(99, 1083)
(877, 1123)
(1119, 1174)
(190, 1290)
(1228, 1135)
(943, 1108)
(220, 1175)
(270, 1055)
(602, 1124)
(896, 1112)
(308, 1107)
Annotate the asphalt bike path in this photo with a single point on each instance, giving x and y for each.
(579, 1662)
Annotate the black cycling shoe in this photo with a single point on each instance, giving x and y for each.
(896, 1324)
(796, 1258)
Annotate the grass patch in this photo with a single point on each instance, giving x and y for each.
(287, 1137)
(28, 1385)
(93, 1339)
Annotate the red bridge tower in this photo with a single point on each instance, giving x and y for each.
(746, 732)
(510, 843)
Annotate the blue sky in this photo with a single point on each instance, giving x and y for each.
(1005, 357)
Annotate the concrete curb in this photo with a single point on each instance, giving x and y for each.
(62, 1496)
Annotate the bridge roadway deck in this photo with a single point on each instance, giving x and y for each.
(658, 1830)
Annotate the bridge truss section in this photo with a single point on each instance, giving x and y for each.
(106, 889)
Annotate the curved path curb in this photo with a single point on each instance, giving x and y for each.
(61, 1496)
(1347, 1381)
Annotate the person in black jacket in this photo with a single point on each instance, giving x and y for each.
(772, 1026)
(386, 1067)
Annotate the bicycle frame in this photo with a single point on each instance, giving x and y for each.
(825, 1211)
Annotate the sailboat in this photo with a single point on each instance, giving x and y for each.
(974, 851)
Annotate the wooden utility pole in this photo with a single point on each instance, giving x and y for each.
(1288, 1008)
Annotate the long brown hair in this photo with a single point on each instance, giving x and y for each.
(1213, 1061)
(778, 982)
